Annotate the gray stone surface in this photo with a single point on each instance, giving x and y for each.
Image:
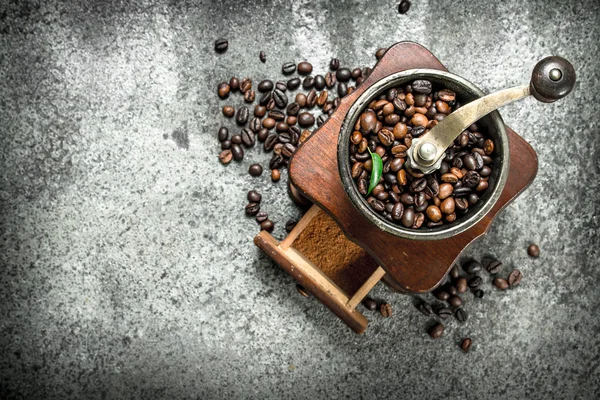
(127, 268)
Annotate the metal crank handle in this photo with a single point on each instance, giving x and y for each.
(552, 78)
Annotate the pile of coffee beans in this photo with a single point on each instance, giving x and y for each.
(409, 197)
(285, 114)
(459, 283)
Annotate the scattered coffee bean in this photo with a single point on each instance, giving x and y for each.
(267, 225)
(475, 282)
(228, 111)
(241, 116)
(386, 310)
(455, 301)
(334, 64)
(500, 283)
(225, 156)
(465, 345)
(290, 224)
(454, 272)
(380, 52)
(319, 82)
(308, 82)
(294, 83)
(404, 6)
(425, 308)
(461, 285)
(443, 312)
(369, 304)
(305, 68)
(265, 86)
(472, 267)
(343, 75)
(223, 134)
(306, 119)
(494, 266)
(441, 294)
(262, 56)
(280, 98)
(275, 175)
(254, 196)
(299, 287)
(515, 277)
(237, 152)
(460, 315)
(223, 90)
(478, 293)
(288, 68)
(281, 85)
(436, 331)
(452, 290)
(255, 170)
(533, 250)
(261, 216)
(221, 45)
(252, 208)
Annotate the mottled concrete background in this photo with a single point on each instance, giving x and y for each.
(127, 268)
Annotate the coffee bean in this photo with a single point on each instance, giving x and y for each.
(288, 150)
(267, 225)
(408, 217)
(261, 216)
(275, 175)
(500, 283)
(241, 116)
(223, 134)
(280, 98)
(306, 119)
(443, 312)
(386, 310)
(293, 83)
(262, 57)
(311, 98)
(305, 68)
(271, 140)
(255, 170)
(436, 331)
(533, 250)
(343, 75)
(245, 85)
(455, 273)
(330, 79)
(425, 308)
(319, 82)
(369, 304)
(471, 178)
(225, 144)
(421, 86)
(455, 301)
(248, 139)
(225, 156)
(465, 345)
(377, 205)
(488, 146)
(221, 45)
(265, 86)
(288, 68)
(515, 277)
(475, 282)
(380, 52)
(228, 111)
(254, 196)
(255, 125)
(223, 90)
(397, 211)
(265, 98)
(460, 315)
(237, 152)
(478, 293)
(469, 161)
(282, 126)
(252, 208)
(461, 285)
(441, 295)
(452, 291)
(281, 85)
(494, 266)
(322, 98)
(290, 224)
(418, 185)
(334, 64)
(472, 267)
(308, 82)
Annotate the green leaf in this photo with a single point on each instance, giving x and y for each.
(375, 171)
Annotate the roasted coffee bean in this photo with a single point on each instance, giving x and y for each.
(228, 111)
(241, 116)
(418, 185)
(248, 138)
(321, 120)
(265, 98)
(322, 98)
(377, 205)
(386, 137)
(386, 310)
(306, 119)
(494, 266)
(455, 273)
(436, 331)
(261, 216)
(500, 283)
(475, 282)
(252, 208)
(461, 204)
(225, 156)
(425, 308)
(221, 45)
(275, 175)
(237, 152)
(280, 98)
(421, 86)
(319, 82)
(443, 312)
(255, 170)
(262, 57)
(355, 73)
(255, 125)
(330, 79)
(488, 146)
(254, 196)
(455, 301)
(294, 83)
(469, 161)
(452, 291)
(343, 75)
(472, 267)
(288, 150)
(334, 64)
(308, 82)
(311, 98)
(441, 294)
(404, 6)
(281, 85)
(234, 83)
(267, 225)
(223, 90)
(460, 315)
(397, 211)
(465, 345)
(342, 88)
(515, 277)
(225, 144)
(290, 225)
(288, 68)
(245, 85)
(305, 68)
(471, 178)
(533, 250)
(265, 86)
(461, 285)
(408, 217)
(462, 192)
(369, 304)
(293, 109)
(260, 111)
(380, 52)
(271, 140)
(478, 293)
(282, 126)
(223, 134)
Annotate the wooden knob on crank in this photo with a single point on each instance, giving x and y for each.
(553, 78)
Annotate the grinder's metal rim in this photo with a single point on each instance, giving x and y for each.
(496, 129)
